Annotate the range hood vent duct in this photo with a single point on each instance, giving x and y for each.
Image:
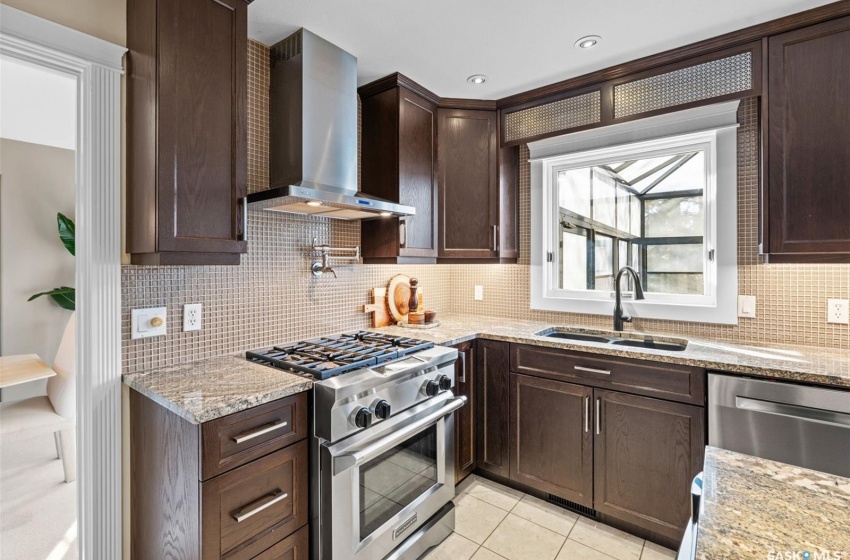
(313, 134)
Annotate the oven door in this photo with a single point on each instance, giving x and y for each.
(380, 485)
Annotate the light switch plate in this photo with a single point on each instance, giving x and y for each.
(478, 293)
(192, 317)
(837, 311)
(747, 306)
(146, 323)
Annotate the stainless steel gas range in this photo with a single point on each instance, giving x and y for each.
(382, 454)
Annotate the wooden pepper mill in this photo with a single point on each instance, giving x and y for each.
(413, 304)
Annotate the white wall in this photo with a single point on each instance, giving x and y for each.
(37, 105)
(36, 182)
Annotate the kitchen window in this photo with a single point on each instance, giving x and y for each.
(663, 202)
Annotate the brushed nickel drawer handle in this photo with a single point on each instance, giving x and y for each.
(258, 506)
(593, 370)
(245, 436)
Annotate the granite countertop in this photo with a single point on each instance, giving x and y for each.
(823, 366)
(756, 508)
(208, 389)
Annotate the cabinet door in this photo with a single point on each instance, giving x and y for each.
(467, 166)
(646, 452)
(551, 437)
(202, 125)
(465, 417)
(493, 406)
(808, 141)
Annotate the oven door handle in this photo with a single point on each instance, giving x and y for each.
(350, 460)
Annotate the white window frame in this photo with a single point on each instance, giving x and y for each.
(710, 129)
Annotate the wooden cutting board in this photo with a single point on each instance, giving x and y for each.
(381, 315)
(398, 297)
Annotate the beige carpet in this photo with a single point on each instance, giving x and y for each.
(37, 507)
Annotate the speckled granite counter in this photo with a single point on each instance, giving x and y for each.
(208, 389)
(793, 363)
(755, 509)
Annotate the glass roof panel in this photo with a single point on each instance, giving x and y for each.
(641, 166)
(688, 177)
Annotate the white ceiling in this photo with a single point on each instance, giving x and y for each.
(519, 45)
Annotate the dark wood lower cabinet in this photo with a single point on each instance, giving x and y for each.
(465, 417)
(256, 508)
(551, 438)
(646, 452)
(492, 405)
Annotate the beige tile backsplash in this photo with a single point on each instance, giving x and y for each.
(271, 297)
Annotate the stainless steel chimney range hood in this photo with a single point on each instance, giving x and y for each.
(313, 134)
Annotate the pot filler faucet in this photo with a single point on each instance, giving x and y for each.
(619, 319)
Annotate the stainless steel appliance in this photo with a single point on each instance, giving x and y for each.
(313, 134)
(382, 459)
(688, 548)
(794, 424)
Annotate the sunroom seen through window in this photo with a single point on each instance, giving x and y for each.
(647, 213)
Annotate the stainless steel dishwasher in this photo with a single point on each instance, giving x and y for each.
(794, 424)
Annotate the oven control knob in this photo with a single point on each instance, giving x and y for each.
(382, 409)
(363, 418)
(445, 382)
(432, 388)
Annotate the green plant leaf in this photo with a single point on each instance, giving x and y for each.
(67, 232)
(64, 296)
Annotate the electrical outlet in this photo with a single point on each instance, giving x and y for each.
(478, 293)
(146, 323)
(192, 317)
(837, 311)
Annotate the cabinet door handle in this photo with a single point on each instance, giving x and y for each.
(586, 414)
(402, 234)
(243, 235)
(245, 436)
(592, 370)
(495, 237)
(598, 416)
(258, 506)
(463, 367)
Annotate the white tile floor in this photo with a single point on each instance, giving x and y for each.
(493, 522)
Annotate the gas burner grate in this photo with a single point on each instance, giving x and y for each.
(333, 355)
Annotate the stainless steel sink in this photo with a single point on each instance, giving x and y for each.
(651, 344)
(633, 340)
(577, 336)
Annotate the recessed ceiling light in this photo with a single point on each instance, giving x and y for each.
(314, 203)
(588, 42)
(477, 79)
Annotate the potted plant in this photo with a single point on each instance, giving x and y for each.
(64, 295)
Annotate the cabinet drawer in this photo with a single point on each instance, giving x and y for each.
(236, 439)
(666, 381)
(294, 547)
(249, 509)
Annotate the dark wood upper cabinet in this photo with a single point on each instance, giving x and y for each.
(477, 182)
(492, 407)
(551, 437)
(647, 452)
(465, 417)
(807, 145)
(186, 130)
(398, 163)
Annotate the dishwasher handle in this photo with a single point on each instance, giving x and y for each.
(806, 413)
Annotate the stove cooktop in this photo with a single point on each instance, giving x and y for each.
(328, 356)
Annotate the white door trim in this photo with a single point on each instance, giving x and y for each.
(97, 65)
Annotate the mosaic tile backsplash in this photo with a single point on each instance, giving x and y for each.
(271, 297)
